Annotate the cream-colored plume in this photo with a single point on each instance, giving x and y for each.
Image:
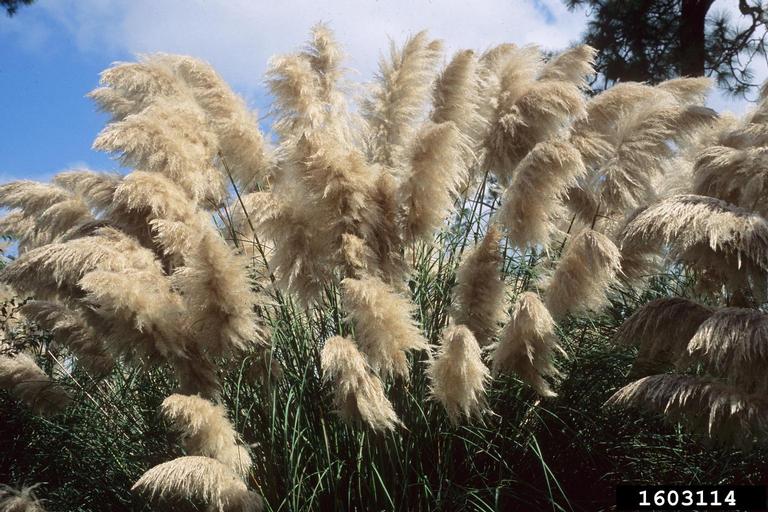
(399, 96)
(23, 500)
(358, 393)
(456, 98)
(384, 327)
(531, 202)
(532, 106)
(56, 268)
(527, 344)
(216, 289)
(580, 283)
(662, 329)
(738, 176)
(200, 480)
(733, 343)
(708, 406)
(457, 374)
(689, 223)
(436, 171)
(205, 430)
(21, 376)
(479, 293)
(95, 188)
(170, 137)
(71, 329)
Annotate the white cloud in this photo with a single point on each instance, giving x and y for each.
(239, 36)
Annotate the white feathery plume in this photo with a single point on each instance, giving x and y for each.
(589, 265)
(205, 430)
(383, 324)
(358, 392)
(200, 480)
(527, 344)
(398, 97)
(479, 292)
(457, 374)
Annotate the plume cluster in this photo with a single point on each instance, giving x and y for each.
(718, 232)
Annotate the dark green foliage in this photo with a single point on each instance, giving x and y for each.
(11, 6)
(655, 40)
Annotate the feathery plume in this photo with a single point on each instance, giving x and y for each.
(587, 268)
(697, 222)
(688, 90)
(737, 176)
(383, 324)
(479, 292)
(733, 342)
(240, 141)
(206, 431)
(169, 137)
(31, 196)
(24, 500)
(708, 406)
(200, 480)
(385, 237)
(573, 65)
(55, 269)
(298, 105)
(539, 113)
(72, 330)
(457, 99)
(96, 188)
(436, 172)
(358, 393)
(527, 344)
(21, 376)
(398, 98)
(145, 301)
(532, 200)
(218, 297)
(642, 149)
(457, 374)
(662, 329)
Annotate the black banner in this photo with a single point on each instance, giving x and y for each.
(691, 497)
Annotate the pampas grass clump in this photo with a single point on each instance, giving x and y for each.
(370, 225)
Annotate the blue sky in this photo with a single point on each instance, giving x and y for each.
(53, 51)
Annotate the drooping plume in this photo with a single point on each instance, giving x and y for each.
(531, 202)
(383, 324)
(23, 500)
(21, 376)
(706, 405)
(200, 480)
(358, 393)
(457, 99)
(436, 171)
(527, 344)
(71, 329)
(457, 374)
(702, 232)
(662, 329)
(206, 431)
(733, 343)
(583, 275)
(479, 292)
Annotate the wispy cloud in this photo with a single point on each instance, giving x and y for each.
(239, 36)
